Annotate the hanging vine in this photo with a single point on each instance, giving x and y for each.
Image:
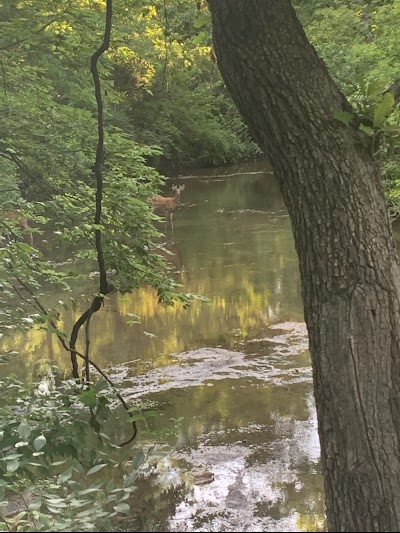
(104, 287)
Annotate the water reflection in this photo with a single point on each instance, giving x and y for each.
(246, 452)
(245, 455)
(173, 255)
(232, 242)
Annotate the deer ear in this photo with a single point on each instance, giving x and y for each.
(182, 187)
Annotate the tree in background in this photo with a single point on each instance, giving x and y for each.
(175, 97)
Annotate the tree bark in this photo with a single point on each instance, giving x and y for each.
(348, 263)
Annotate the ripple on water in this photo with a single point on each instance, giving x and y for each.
(197, 367)
(240, 492)
(240, 479)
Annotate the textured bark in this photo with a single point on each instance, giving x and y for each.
(348, 262)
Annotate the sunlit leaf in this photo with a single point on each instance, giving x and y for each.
(24, 430)
(202, 21)
(122, 508)
(96, 469)
(39, 442)
(383, 110)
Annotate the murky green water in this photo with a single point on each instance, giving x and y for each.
(245, 455)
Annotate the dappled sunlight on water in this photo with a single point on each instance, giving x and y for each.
(194, 368)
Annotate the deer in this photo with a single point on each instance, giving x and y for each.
(17, 217)
(168, 204)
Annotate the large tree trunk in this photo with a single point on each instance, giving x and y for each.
(348, 262)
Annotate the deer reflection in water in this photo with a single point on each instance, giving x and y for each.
(172, 254)
(168, 204)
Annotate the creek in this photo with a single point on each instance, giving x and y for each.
(231, 380)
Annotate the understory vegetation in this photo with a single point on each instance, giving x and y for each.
(358, 42)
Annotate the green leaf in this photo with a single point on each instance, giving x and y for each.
(94, 423)
(13, 465)
(24, 430)
(54, 500)
(78, 468)
(12, 456)
(84, 514)
(39, 442)
(136, 416)
(199, 38)
(100, 385)
(366, 129)
(375, 89)
(96, 469)
(35, 505)
(122, 508)
(383, 110)
(21, 443)
(138, 460)
(66, 475)
(88, 397)
(202, 21)
(25, 247)
(148, 414)
(89, 491)
(58, 463)
(343, 116)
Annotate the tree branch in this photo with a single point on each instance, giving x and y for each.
(97, 171)
(38, 306)
(42, 28)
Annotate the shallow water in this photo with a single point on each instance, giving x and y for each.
(233, 374)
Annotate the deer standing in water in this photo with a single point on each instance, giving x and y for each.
(168, 204)
(17, 217)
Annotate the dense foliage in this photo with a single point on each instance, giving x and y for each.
(51, 453)
(175, 95)
(359, 43)
(48, 132)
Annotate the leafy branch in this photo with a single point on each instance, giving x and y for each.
(42, 28)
